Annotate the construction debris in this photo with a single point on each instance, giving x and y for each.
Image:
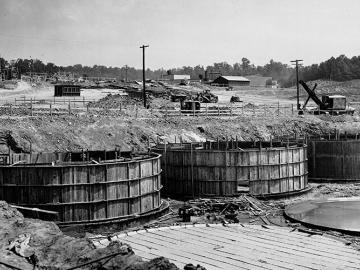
(35, 244)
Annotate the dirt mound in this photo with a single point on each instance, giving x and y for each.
(30, 243)
(115, 102)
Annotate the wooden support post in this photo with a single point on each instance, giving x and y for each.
(10, 107)
(292, 109)
(165, 158)
(83, 101)
(50, 110)
(192, 171)
(218, 110)
(69, 108)
(9, 154)
(278, 108)
(31, 107)
(206, 108)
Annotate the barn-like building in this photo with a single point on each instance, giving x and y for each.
(231, 81)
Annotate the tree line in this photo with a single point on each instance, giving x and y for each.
(341, 68)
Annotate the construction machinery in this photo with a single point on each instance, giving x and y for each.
(206, 97)
(235, 99)
(328, 104)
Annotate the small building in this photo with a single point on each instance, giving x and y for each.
(231, 81)
(67, 90)
(177, 77)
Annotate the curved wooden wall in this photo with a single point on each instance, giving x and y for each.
(197, 170)
(85, 192)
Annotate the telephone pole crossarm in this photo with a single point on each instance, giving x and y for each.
(297, 61)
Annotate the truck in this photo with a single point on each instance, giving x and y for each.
(328, 104)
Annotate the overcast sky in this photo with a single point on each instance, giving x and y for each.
(181, 32)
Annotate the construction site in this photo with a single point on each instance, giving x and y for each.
(137, 146)
(97, 180)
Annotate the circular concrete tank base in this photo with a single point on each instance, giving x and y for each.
(339, 214)
(239, 246)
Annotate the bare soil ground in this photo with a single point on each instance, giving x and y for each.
(34, 244)
(63, 133)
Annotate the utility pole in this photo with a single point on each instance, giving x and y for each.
(297, 61)
(126, 69)
(144, 90)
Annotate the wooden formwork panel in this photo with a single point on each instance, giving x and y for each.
(83, 193)
(334, 160)
(193, 172)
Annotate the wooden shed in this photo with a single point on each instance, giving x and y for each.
(67, 90)
(231, 81)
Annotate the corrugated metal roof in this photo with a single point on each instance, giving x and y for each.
(236, 78)
(242, 246)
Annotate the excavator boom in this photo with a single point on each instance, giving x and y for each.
(312, 95)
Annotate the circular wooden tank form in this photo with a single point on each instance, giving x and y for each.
(83, 187)
(334, 160)
(219, 168)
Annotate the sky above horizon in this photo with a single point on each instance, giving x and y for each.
(179, 33)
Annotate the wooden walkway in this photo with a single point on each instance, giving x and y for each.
(252, 247)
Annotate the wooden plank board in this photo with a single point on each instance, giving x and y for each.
(242, 247)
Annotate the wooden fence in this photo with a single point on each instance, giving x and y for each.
(232, 110)
(55, 100)
(209, 110)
